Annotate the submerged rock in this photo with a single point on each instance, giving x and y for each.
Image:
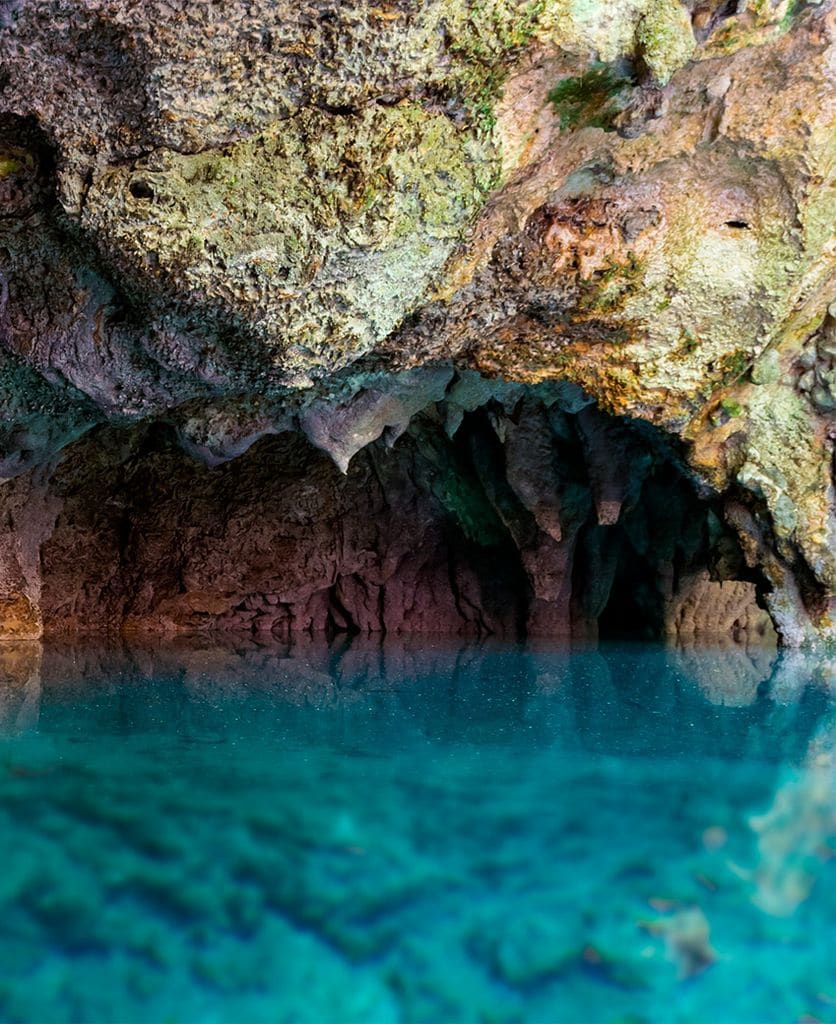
(687, 938)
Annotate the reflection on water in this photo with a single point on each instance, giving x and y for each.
(20, 686)
(416, 832)
(797, 835)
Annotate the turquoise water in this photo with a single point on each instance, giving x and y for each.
(417, 834)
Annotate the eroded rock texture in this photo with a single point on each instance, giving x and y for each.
(532, 519)
(510, 316)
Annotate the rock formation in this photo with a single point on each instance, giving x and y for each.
(508, 316)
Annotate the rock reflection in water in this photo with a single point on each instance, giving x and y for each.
(315, 674)
(20, 685)
(311, 672)
(797, 834)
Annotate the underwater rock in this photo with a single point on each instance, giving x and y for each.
(796, 834)
(687, 938)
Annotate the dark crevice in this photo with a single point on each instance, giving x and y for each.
(30, 163)
(339, 110)
(705, 20)
(140, 189)
(340, 619)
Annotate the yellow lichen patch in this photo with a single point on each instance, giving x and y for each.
(610, 287)
(718, 281)
(767, 437)
(616, 387)
(605, 29)
(617, 384)
(788, 463)
(686, 272)
(9, 166)
(758, 23)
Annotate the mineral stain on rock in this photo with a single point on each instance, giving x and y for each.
(551, 284)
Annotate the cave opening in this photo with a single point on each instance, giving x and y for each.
(613, 535)
(528, 513)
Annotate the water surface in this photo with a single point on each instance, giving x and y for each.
(417, 833)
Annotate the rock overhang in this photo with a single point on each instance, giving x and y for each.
(635, 200)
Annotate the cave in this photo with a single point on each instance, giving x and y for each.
(417, 511)
(532, 514)
(542, 317)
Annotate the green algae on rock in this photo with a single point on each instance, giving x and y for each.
(591, 98)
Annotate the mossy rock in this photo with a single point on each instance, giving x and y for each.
(665, 39)
(322, 231)
(593, 99)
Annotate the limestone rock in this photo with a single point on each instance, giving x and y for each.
(706, 609)
(403, 224)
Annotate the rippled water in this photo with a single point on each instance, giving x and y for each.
(417, 834)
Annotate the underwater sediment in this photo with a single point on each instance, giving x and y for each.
(512, 318)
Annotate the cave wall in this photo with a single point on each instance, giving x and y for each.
(530, 520)
(275, 542)
(245, 231)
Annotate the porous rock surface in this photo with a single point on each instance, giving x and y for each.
(497, 317)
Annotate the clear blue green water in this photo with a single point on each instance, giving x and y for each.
(417, 834)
